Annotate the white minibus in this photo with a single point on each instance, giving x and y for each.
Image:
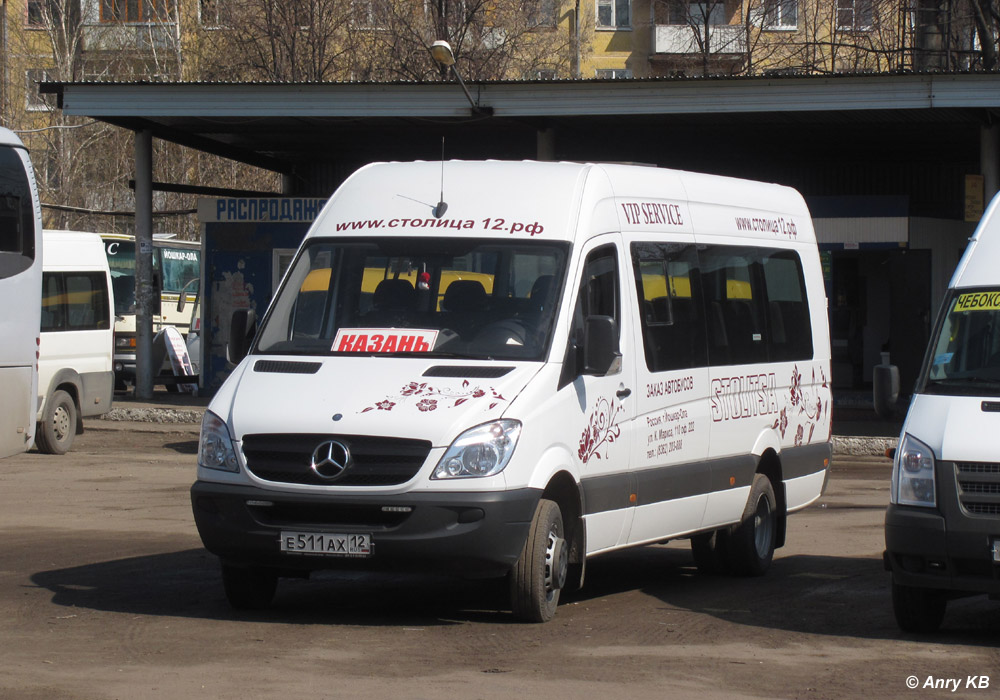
(75, 374)
(542, 363)
(942, 527)
(20, 288)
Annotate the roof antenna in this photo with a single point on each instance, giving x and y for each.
(442, 206)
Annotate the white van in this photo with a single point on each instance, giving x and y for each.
(553, 361)
(75, 375)
(942, 527)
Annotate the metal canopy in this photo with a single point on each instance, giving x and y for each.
(283, 126)
(816, 133)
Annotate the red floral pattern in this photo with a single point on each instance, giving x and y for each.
(601, 431)
(804, 411)
(431, 398)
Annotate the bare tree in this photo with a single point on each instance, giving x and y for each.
(84, 167)
(385, 39)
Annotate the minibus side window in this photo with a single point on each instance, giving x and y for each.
(599, 289)
(53, 309)
(87, 301)
(733, 305)
(598, 296)
(671, 317)
(76, 301)
(788, 322)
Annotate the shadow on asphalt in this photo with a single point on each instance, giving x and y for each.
(839, 596)
(186, 447)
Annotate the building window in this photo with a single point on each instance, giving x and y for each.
(136, 10)
(370, 14)
(540, 13)
(214, 14)
(614, 14)
(854, 15)
(613, 73)
(696, 14)
(542, 74)
(42, 13)
(33, 100)
(781, 14)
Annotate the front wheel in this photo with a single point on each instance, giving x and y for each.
(54, 434)
(540, 572)
(248, 588)
(918, 609)
(751, 544)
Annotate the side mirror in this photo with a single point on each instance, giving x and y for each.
(242, 329)
(885, 390)
(601, 354)
(182, 297)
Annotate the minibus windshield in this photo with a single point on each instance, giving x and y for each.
(457, 297)
(965, 354)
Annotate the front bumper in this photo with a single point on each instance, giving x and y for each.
(926, 549)
(124, 367)
(472, 534)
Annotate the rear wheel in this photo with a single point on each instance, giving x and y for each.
(540, 572)
(918, 609)
(249, 588)
(54, 434)
(751, 544)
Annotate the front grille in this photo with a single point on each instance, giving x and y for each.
(375, 461)
(978, 487)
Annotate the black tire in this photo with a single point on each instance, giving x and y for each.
(248, 588)
(711, 552)
(918, 610)
(540, 572)
(751, 544)
(54, 434)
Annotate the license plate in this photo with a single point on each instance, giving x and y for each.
(326, 544)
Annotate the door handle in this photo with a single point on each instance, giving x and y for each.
(623, 393)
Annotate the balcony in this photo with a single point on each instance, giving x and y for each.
(680, 39)
(136, 37)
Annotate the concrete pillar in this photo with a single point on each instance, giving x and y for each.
(147, 301)
(546, 144)
(989, 160)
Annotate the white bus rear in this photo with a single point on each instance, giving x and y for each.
(21, 287)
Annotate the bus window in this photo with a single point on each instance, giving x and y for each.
(179, 266)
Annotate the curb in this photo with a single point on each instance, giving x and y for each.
(859, 446)
(153, 415)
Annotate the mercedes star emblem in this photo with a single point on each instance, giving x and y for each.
(330, 459)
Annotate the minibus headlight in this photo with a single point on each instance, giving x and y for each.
(913, 474)
(215, 446)
(481, 451)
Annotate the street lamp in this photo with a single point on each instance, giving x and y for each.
(442, 53)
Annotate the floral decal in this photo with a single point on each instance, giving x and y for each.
(806, 411)
(432, 398)
(601, 431)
